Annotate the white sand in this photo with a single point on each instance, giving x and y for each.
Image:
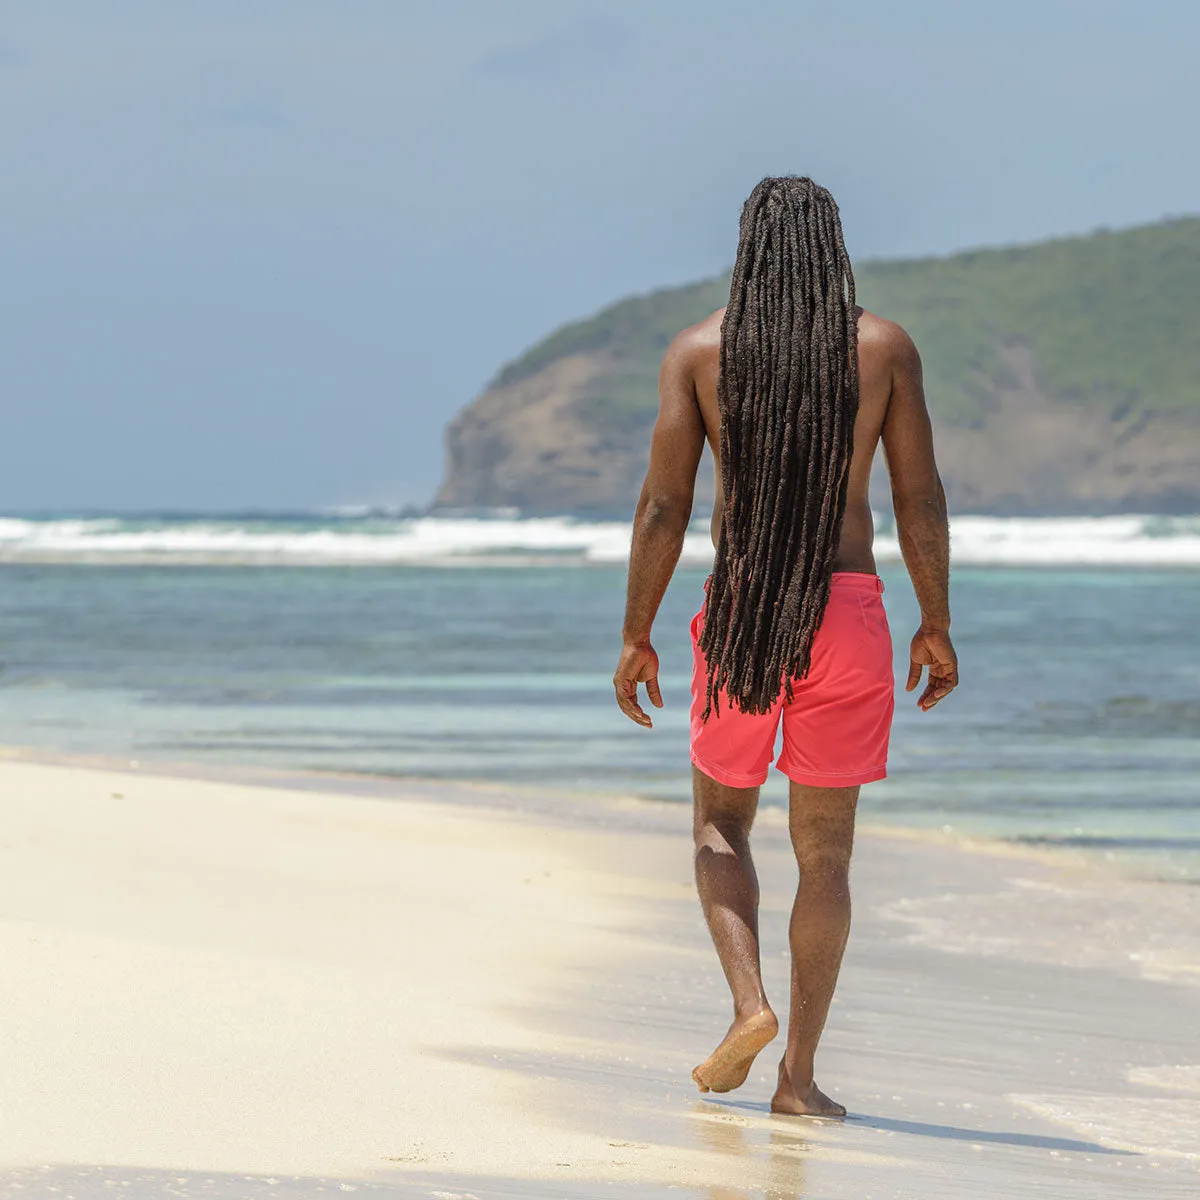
(203, 977)
(246, 979)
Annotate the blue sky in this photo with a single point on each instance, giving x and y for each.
(256, 255)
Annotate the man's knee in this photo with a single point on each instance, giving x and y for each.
(823, 842)
(825, 868)
(721, 813)
(722, 834)
(717, 819)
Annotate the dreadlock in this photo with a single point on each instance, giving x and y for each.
(788, 396)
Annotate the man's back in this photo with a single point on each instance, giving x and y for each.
(890, 404)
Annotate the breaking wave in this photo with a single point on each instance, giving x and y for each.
(352, 537)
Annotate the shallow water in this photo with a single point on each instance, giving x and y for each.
(1078, 719)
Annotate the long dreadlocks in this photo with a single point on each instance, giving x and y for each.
(788, 395)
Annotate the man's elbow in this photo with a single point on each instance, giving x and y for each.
(924, 502)
(668, 511)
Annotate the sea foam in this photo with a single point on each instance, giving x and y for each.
(352, 538)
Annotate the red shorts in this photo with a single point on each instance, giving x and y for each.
(836, 726)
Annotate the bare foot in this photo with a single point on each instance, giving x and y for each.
(728, 1065)
(807, 1101)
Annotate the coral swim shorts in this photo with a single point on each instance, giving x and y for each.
(835, 727)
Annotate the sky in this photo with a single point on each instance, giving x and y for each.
(255, 256)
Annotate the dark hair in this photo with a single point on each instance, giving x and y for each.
(788, 395)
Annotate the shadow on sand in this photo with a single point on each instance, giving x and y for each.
(955, 1133)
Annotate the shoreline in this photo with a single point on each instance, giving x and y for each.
(417, 991)
(545, 800)
(1153, 901)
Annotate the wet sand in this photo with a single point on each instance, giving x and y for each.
(214, 988)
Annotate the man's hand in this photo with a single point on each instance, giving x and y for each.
(932, 648)
(639, 664)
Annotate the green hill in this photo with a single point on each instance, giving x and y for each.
(1100, 329)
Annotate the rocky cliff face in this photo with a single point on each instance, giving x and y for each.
(540, 446)
(1031, 453)
(535, 445)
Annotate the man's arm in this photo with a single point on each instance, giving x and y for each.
(922, 525)
(659, 524)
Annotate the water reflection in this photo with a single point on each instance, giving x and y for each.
(734, 1136)
(787, 1170)
(725, 1134)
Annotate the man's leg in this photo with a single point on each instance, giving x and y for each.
(822, 828)
(728, 889)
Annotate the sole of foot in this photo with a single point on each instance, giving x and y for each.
(729, 1064)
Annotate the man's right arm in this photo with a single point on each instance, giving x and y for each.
(922, 525)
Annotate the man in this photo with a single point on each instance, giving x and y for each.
(793, 386)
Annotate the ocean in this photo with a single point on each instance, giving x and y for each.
(483, 649)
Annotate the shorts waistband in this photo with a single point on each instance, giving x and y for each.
(858, 581)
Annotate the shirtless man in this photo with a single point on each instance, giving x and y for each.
(776, 383)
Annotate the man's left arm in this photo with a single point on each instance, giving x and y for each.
(663, 512)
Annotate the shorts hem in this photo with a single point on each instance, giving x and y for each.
(835, 778)
(728, 778)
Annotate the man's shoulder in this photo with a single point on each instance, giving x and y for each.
(888, 340)
(690, 346)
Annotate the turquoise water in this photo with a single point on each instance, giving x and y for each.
(1078, 719)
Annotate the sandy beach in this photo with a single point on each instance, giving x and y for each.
(288, 987)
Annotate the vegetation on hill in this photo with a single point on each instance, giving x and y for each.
(633, 334)
(1110, 318)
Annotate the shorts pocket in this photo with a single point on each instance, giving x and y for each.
(862, 612)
